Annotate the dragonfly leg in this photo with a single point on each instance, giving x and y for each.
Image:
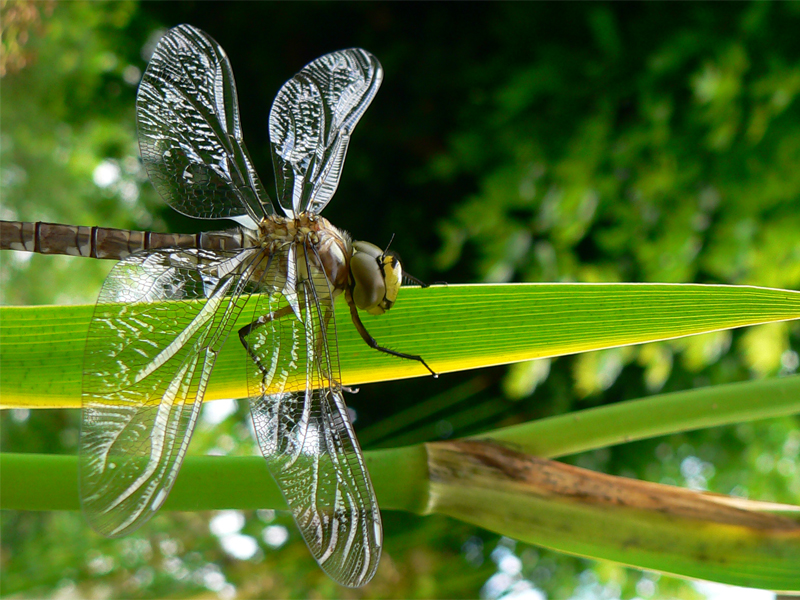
(373, 344)
(263, 320)
(260, 322)
(411, 279)
(321, 340)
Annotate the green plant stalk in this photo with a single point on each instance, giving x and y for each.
(648, 525)
(399, 474)
(50, 482)
(688, 547)
(654, 416)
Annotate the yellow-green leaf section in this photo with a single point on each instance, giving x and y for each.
(454, 327)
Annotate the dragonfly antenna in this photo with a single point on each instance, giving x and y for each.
(391, 239)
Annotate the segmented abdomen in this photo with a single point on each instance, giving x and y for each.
(104, 242)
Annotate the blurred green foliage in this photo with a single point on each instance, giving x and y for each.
(510, 142)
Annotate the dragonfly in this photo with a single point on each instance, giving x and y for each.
(168, 306)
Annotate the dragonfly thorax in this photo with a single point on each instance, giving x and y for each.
(320, 247)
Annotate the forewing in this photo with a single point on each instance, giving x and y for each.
(190, 136)
(150, 350)
(305, 434)
(310, 125)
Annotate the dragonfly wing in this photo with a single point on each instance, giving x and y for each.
(305, 434)
(150, 350)
(190, 136)
(310, 125)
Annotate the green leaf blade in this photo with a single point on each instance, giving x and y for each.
(454, 328)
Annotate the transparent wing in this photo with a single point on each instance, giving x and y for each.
(305, 434)
(150, 350)
(190, 136)
(310, 125)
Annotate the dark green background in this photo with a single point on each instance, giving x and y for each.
(509, 142)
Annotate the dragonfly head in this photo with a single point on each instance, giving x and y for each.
(375, 277)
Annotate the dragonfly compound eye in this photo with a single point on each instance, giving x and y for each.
(376, 278)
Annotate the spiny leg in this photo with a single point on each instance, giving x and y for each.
(260, 322)
(373, 344)
(263, 320)
(324, 309)
(321, 339)
(409, 278)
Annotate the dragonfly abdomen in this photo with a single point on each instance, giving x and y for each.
(105, 242)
